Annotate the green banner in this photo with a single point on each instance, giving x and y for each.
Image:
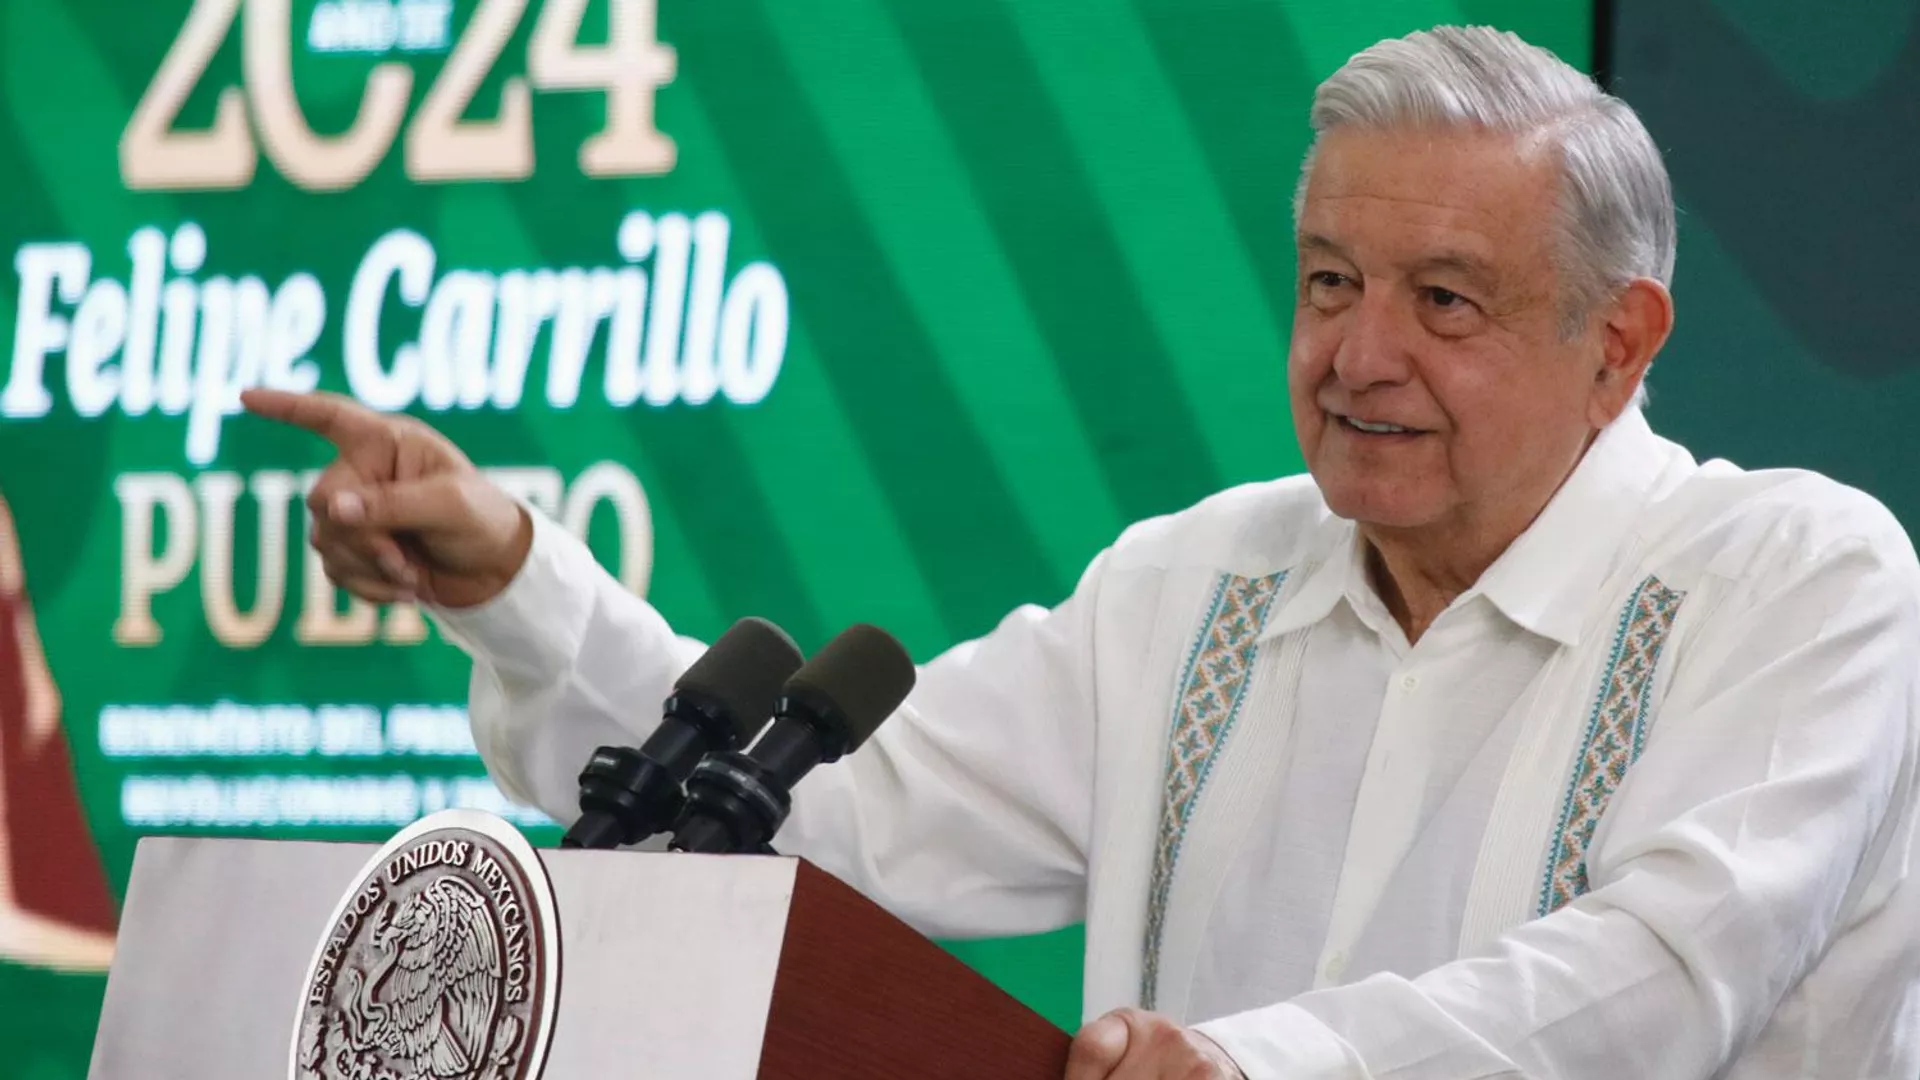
(838, 311)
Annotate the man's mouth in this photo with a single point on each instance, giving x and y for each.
(1371, 427)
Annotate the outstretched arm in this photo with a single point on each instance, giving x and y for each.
(966, 814)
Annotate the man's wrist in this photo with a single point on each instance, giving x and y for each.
(459, 591)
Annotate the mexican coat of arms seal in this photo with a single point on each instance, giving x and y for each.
(440, 963)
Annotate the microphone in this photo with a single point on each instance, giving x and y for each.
(627, 795)
(737, 801)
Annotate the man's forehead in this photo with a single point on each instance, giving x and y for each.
(1472, 202)
(1469, 171)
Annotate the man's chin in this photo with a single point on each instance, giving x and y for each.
(1377, 511)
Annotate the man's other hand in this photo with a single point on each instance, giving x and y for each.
(401, 513)
(1133, 1044)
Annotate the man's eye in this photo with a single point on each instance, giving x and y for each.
(1446, 298)
(1327, 279)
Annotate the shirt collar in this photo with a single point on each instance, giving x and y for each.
(1335, 566)
(1544, 578)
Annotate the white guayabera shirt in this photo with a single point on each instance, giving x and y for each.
(1641, 803)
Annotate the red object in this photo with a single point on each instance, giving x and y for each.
(49, 854)
(859, 995)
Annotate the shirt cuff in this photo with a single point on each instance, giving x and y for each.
(533, 627)
(1284, 1042)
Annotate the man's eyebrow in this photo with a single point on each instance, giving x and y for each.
(1474, 269)
(1316, 242)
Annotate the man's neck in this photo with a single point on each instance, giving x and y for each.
(1417, 581)
(1419, 572)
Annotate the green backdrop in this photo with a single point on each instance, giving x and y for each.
(930, 301)
(1788, 130)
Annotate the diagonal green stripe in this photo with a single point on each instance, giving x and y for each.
(129, 41)
(1039, 200)
(1331, 33)
(911, 185)
(72, 149)
(1235, 69)
(1144, 168)
(704, 472)
(848, 546)
(875, 353)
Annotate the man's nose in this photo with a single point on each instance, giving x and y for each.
(1374, 349)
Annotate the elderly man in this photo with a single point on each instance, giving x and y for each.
(1510, 742)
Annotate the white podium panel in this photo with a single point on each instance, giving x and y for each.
(667, 962)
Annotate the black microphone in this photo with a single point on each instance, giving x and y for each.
(737, 801)
(627, 795)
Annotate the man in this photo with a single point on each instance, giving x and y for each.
(1510, 742)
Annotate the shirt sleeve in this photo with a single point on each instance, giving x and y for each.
(1772, 810)
(966, 814)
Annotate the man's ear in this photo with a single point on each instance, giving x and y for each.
(1634, 327)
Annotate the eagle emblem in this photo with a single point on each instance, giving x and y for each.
(430, 1003)
(433, 968)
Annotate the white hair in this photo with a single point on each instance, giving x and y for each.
(1616, 201)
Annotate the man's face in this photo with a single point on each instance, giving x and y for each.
(1427, 311)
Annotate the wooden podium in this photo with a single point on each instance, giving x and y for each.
(670, 965)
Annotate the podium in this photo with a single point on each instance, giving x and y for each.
(668, 965)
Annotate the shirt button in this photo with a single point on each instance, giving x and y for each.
(1336, 967)
(1409, 682)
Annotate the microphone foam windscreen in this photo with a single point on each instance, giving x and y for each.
(862, 675)
(744, 671)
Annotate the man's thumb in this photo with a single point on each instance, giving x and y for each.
(1099, 1048)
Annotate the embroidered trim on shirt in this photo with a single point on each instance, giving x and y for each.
(1615, 732)
(1211, 687)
